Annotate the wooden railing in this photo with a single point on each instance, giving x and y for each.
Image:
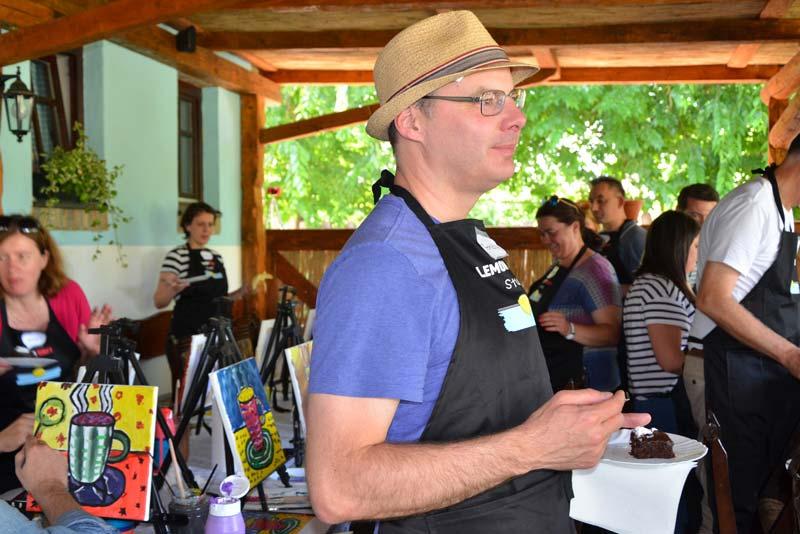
(299, 258)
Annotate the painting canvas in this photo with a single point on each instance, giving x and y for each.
(106, 432)
(275, 523)
(299, 359)
(248, 420)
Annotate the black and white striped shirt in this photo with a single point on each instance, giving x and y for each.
(652, 299)
(177, 261)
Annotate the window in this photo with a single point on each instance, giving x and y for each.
(58, 83)
(190, 144)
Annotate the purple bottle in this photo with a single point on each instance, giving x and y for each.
(224, 516)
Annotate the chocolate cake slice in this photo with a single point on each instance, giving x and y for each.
(650, 443)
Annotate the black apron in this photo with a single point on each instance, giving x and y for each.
(611, 251)
(16, 400)
(752, 395)
(564, 357)
(195, 305)
(496, 378)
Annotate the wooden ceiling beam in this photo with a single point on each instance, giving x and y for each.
(568, 75)
(546, 58)
(787, 126)
(327, 5)
(202, 66)
(745, 31)
(317, 125)
(784, 83)
(744, 53)
(23, 12)
(93, 24)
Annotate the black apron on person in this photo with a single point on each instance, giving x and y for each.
(755, 398)
(496, 379)
(196, 303)
(611, 251)
(564, 357)
(16, 400)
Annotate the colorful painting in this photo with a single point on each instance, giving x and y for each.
(248, 421)
(274, 523)
(299, 359)
(106, 433)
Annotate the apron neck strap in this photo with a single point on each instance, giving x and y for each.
(387, 180)
(769, 174)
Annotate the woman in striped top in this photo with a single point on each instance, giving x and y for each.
(657, 315)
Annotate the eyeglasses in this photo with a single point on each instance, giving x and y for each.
(19, 223)
(553, 201)
(492, 102)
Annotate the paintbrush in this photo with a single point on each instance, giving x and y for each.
(205, 486)
(178, 475)
(177, 399)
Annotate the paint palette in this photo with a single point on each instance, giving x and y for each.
(30, 371)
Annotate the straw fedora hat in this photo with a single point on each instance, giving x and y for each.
(430, 54)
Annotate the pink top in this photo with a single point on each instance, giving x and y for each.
(70, 308)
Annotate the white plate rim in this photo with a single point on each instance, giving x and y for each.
(677, 440)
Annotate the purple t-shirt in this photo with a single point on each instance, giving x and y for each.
(387, 319)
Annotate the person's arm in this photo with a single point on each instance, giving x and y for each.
(354, 474)
(604, 333)
(168, 286)
(715, 299)
(666, 342)
(14, 435)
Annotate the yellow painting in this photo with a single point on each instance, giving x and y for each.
(299, 359)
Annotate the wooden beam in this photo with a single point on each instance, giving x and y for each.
(288, 274)
(776, 9)
(734, 30)
(571, 75)
(787, 126)
(784, 83)
(543, 76)
(322, 77)
(254, 237)
(329, 5)
(744, 53)
(257, 61)
(23, 12)
(92, 25)
(741, 57)
(776, 108)
(317, 125)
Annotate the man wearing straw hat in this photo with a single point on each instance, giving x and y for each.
(430, 405)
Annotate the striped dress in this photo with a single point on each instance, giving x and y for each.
(652, 299)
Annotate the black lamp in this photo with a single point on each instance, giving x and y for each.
(19, 104)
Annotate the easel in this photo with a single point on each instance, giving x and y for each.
(111, 367)
(285, 334)
(219, 351)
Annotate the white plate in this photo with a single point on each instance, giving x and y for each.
(686, 450)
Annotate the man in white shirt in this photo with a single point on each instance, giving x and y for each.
(748, 316)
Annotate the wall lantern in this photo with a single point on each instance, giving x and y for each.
(19, 104)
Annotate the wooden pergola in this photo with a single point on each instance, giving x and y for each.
(337, 41)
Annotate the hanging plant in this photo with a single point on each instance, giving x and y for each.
(81, 175)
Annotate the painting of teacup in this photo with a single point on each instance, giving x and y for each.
(91, 435)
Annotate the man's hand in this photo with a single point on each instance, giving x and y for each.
(13, 436)
(572, 429)
(43, 472)
(554, 322)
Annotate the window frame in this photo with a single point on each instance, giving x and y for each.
(193, 95)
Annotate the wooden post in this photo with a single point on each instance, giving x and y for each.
(776, 109)
(254, 237)
(1, 181)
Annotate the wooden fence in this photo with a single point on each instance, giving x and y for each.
(299, 258)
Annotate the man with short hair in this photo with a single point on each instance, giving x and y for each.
(697, 201)
(430, 406)
(625, 239)
(748, 316)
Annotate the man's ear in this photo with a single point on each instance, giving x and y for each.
(409, 124)
(621, 201)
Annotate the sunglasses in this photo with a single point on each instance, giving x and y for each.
(553, 201)
(19, 223)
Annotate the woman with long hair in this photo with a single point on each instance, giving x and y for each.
(576, 303)
(658, 313)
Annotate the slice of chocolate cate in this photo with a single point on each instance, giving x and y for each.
(650, 443)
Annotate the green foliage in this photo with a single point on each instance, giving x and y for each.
(81, 175)
(655, 138)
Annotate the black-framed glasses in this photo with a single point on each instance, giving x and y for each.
(19, 223)
(492, 101)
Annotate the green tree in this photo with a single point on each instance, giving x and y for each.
(655, 138)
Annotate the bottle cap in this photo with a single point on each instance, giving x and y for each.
(235, 486)
(224, 507)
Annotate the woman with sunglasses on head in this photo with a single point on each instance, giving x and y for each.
(43, 314)
(577, 302)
